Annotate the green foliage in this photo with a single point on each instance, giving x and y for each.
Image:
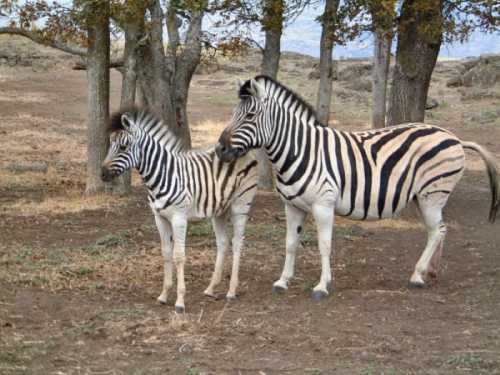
(467, 360)
(201, 228)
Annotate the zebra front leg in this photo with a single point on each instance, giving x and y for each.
(295, 218)
(324, 217)
(179, 227)
(239, 221)
(219, 224)
(165, 230)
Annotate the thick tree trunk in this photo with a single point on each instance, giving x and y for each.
(272, 25)
(325, 60)
(380, 75)
(419, 41)
(98, 93)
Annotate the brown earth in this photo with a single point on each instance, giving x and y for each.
(79, 276)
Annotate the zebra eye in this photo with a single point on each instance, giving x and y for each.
(123, 148)
(250, 116)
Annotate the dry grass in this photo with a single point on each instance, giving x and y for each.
(69, 203)
(206, 133)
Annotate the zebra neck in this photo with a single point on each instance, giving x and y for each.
(158, 167)
(290, 139)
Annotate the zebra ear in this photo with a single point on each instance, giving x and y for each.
(258, 89)
(127, 122)
(239, 84)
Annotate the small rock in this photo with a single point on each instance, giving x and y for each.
(431, 103)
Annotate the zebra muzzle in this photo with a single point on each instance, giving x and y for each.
(107, 174)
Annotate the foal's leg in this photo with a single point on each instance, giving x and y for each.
(239, 220)
(324, 217)
(219, 224)
(432, 214)
(295, 218)
(165, 230)
(179, 227)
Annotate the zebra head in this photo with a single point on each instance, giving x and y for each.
(247, 128)
(123, 152)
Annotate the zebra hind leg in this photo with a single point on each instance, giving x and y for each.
(427, 266)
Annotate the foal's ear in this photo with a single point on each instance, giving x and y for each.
(127, 122)
(239, 84)
(258, 90)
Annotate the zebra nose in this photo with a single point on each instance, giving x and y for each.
(106, 174)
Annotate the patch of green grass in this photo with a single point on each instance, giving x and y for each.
(468, 361)
(372, 370)
(200, 229)
(349, 233)
(83, 270)
(108, 241)
(193, 371)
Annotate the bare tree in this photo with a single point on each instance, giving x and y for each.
(328, 22)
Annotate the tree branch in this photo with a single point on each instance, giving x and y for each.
(38, 38)
(116, 62)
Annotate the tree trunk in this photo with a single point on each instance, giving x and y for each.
(328, 19)
(122, 184)
(380, 75)
(164, 79)
(98, 92)
(419, 40)
(272, 25)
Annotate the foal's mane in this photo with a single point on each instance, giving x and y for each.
(146, 119)
(245, 91)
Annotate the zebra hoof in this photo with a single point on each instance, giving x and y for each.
(162, 300)
(318, 295)
(180, 309)
(232, 297)
(278, 289)
(329, 287)
(211, 295)
(416, 285)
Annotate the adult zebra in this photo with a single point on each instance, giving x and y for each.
(183, 184)
(362, 175)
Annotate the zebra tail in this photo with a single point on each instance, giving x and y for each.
(493, 174)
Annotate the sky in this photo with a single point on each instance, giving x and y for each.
(304, 34)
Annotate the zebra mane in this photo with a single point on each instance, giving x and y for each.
(245, 90)
(151, 123)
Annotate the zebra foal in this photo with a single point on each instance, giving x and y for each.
(183, 184)
(364, 175)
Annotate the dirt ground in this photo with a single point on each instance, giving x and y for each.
(79, 276)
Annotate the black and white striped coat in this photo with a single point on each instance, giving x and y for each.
(183, 184)
(362, 175)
